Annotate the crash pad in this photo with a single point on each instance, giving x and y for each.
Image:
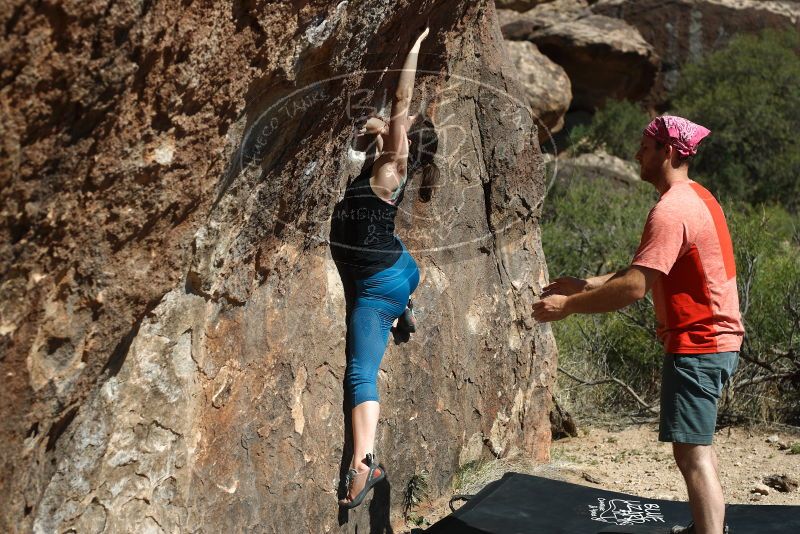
(527, 504)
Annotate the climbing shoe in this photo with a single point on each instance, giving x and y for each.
(689, 529)
(408, 322)
(373, 475)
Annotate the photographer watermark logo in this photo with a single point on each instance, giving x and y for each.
(460, 153)
(624, 512)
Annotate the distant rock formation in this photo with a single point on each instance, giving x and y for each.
(546, 84)
(519, 5)
(603, 56)
(685, 30)
(641, 59)
(596, 165)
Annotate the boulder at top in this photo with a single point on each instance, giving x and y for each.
(684, 30)
(519, 5)
(604, 57)
(546, 84)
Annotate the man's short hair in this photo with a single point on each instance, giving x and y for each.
(684, 160)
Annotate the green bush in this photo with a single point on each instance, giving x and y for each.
(593, 226)
(767, 247)
(616, 128)
(748, 94)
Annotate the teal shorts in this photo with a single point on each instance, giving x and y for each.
(691, 385)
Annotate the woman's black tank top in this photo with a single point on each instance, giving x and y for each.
(362, 229)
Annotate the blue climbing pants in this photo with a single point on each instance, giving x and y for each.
(379, 300)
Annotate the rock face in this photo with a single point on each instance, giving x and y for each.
(604, 57)
(546, 84)
(172, 326)
(685, 30)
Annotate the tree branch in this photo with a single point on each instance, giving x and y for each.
(613, 380)
(765, 378)
(745, 355)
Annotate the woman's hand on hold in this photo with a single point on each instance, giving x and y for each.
(374, 126)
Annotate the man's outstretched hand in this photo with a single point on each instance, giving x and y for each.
(566, 285)
(374, 126)
(552, 308)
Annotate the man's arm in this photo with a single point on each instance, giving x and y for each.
(597, 281)
(611, 292)
(569, 285)
(619, 290)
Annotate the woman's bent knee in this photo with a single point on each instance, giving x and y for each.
(362, 392)
(360, 387)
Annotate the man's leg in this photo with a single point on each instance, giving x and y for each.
(691, 386)
(698, 465)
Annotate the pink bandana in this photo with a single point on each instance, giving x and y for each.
(682, 134)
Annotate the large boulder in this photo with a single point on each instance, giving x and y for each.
(546, 13)
(172, 326)
(603, 56)
(519, 5)
(598, 165)
(685, 30)
(546, 84)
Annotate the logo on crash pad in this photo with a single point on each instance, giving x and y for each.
(623, 512)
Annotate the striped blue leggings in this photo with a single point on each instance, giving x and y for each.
(379, 300)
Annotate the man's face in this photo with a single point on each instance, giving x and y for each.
(651, 158)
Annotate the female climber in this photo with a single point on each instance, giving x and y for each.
(380, 267)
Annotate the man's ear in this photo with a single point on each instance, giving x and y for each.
(674, 157)
(670, 153)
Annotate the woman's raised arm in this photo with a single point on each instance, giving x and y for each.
(396, 142)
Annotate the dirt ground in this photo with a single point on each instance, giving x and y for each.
(632, 460)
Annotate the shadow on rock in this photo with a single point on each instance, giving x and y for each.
(347, 448)
(400, 336)
(379, 508)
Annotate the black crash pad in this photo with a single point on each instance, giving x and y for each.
(525, 504)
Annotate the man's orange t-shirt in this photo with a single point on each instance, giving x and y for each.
(686, 238)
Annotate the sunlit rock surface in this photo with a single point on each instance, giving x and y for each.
(171, 324)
